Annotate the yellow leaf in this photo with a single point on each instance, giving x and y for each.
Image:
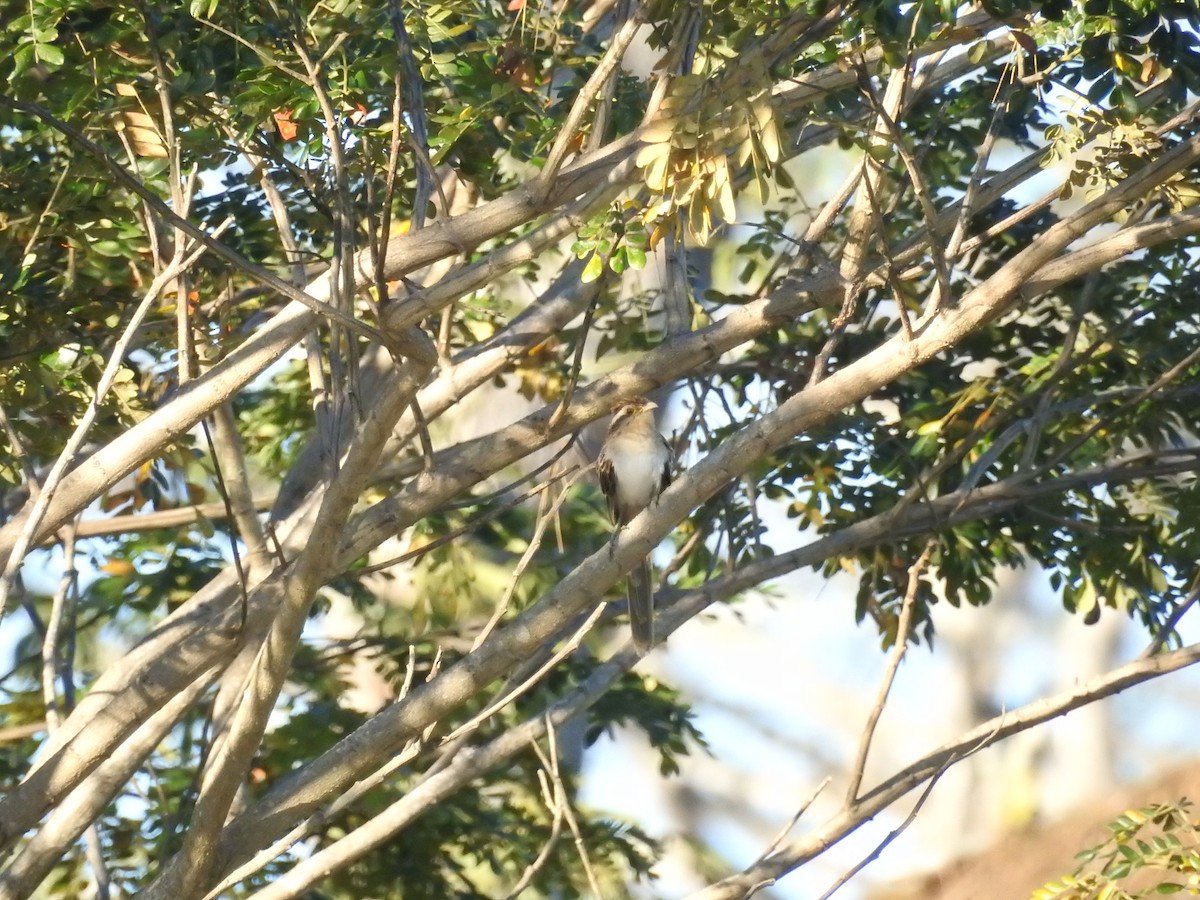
(657, 211)
(142, 132)
(764, 115)
(659, 131)
(763, 189)
(480, 329)
(657, 164)
(1085, 600)
(742, 154)
(656, 175)
(770, 142)
(592, 270)
(1127, 65)
(700, 219)
(724, 196)
(651, 153)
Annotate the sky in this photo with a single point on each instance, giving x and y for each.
(781, 687)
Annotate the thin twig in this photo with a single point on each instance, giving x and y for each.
(580, 343)
(52, 670)
(414, 117)
(57, 666)
(893, 834)
(1061, 365)
(107, 378)
(318, 819)
(1167, 629)
(181, 199)
(533, 679)
(951, 760)
(36, 231)
(894, 659)
(970, 197)
(21, 454)
(556, 802)
(481, 519)
(535, 542)
(786, 829)
(587, 94)
(164, 212)
(265, 55)
(343, 356)
(920, 189)
(564, 802)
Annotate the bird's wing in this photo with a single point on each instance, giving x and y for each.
(666, 473)
(608, 483)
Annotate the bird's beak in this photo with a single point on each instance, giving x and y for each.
(650, 404)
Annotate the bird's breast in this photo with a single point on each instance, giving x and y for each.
(638, 475)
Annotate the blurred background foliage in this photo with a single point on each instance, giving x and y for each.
(1097, 370)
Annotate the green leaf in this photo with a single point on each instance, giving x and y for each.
(203, 8)
(49, 54)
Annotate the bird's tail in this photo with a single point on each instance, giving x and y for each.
(641, 606)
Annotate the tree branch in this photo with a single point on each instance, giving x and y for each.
(849, 819)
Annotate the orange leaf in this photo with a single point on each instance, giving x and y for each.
(287, 128)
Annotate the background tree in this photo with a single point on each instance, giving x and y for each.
(372, 271)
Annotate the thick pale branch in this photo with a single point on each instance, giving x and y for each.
(466, 465)
(451, 475)
(207, 629)
(230, 464)
(130, 523)
(803, 849)
(405, 253)
(21, 877)
(112, 710)
(234, 756)
(1109, 249)
(954, 508)
(366, 748)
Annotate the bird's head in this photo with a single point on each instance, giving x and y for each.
(633, 406)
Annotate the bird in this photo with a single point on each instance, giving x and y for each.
(634, 467)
